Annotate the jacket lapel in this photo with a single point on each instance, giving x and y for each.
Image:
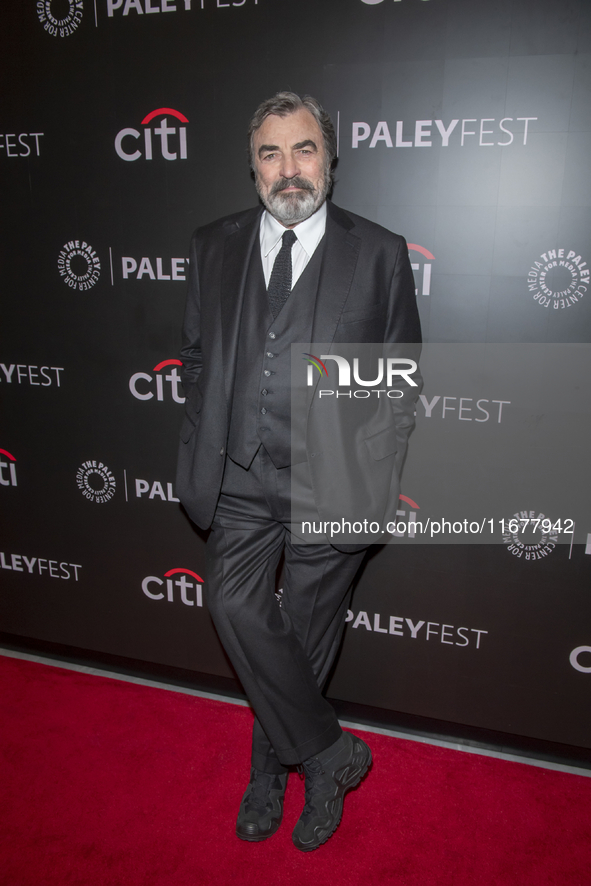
(341, 252)
(238, 246)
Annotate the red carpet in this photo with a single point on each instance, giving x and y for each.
(109, 783)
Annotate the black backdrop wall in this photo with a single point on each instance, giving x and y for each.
(462, 125)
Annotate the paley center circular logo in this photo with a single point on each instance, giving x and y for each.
(559, 278)
(96, 482)
(531, 536)
(60, 18)
(79, 265)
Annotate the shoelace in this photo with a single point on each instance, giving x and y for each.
(259, 796)
(311, 770)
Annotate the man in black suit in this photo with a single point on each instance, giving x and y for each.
(299, 270)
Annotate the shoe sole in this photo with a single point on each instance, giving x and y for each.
(256, 838)
(355, 778)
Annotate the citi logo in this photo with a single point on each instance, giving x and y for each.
(409, 521)
(151, 585)
(147, 382)
(7, 469)
(425, 283)
(585, 666)
(173, 144)
(395, 367)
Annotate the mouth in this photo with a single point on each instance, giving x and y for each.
(290, 187)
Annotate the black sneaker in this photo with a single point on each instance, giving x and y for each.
(329, 776)
(261, 809)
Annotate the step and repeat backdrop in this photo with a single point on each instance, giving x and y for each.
(464, 126)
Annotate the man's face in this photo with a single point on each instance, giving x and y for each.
(291, 171)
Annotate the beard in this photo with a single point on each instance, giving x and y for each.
(293, 207)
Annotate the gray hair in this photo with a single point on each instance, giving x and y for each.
(285, 103)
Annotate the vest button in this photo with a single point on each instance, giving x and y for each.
(264, 392)
(263, 411)
(267, 372)
(269, 354)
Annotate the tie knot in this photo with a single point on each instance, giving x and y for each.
(288, 239)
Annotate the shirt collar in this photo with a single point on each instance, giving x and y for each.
(308, 232)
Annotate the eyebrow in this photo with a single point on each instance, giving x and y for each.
(308, 143)
(265, 148)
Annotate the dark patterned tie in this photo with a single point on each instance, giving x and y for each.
(280, 283)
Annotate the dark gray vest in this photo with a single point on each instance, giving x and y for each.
(261, 405)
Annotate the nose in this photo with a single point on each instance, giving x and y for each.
(289, 166)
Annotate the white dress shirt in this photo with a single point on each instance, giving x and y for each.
(309, 233)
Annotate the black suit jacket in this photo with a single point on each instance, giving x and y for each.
(366, 293)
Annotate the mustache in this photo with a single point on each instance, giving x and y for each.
(297, 182)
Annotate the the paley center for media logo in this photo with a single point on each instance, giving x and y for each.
(558, 278)
(60, 18)
(157, 140)
(531, 535)
(79, 265)
(95, 481)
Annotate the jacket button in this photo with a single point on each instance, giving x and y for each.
(272, 335)
(222, 451)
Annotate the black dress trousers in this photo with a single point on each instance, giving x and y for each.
(281, 653)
